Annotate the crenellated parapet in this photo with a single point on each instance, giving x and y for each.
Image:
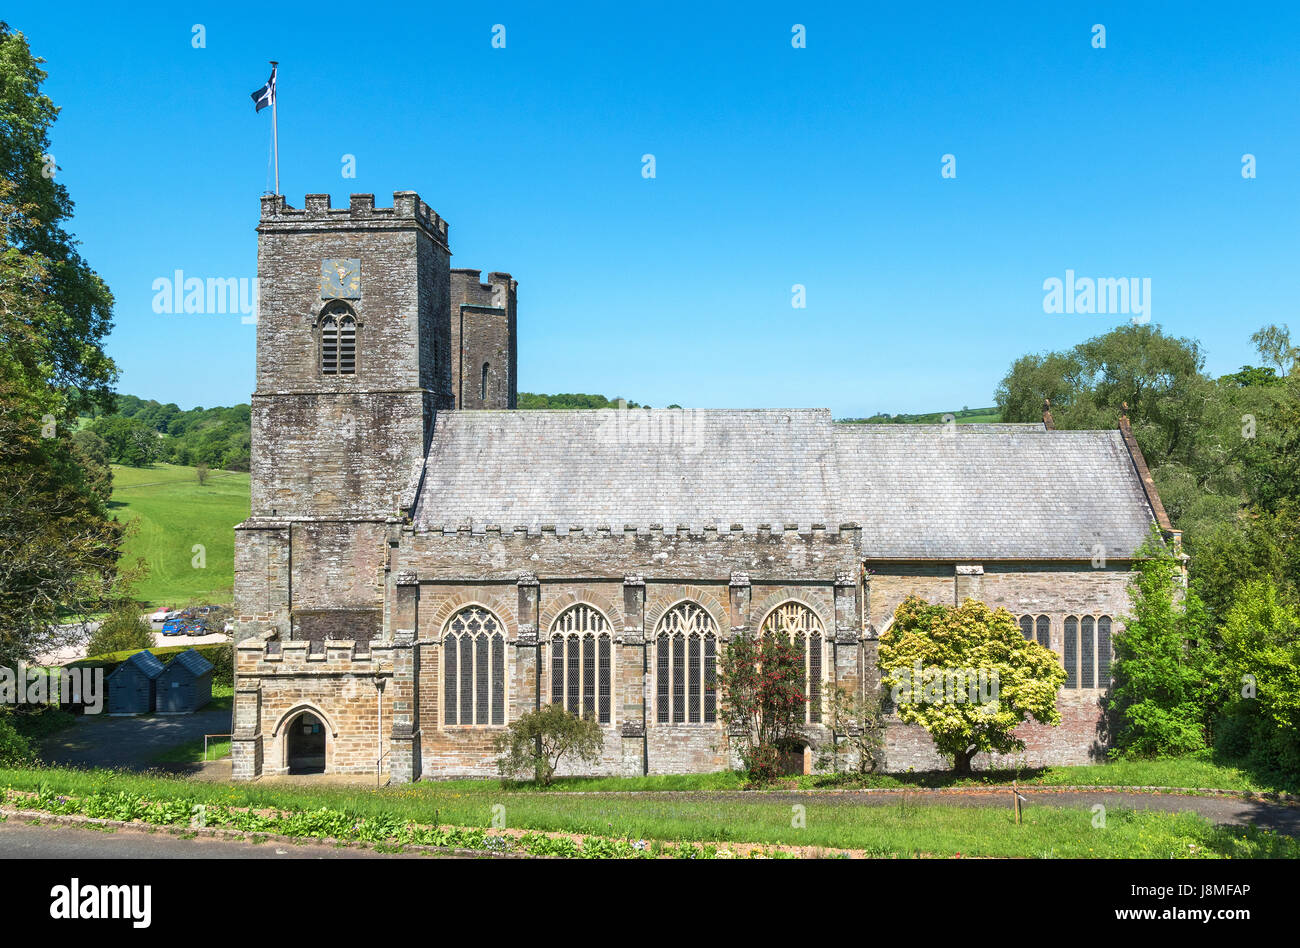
(317, 211)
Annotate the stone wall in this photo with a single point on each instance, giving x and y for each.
(276, 681)
(483, 332)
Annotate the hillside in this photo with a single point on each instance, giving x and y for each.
(173, 513)
(966, 416)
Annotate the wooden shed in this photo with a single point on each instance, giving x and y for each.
(185, 684)
(131, 687)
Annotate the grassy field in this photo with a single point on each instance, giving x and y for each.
(894, 829)
(173, 514)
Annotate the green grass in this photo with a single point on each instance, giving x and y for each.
(902, 828)
(173, 513)
(191, 752)
(1191, 773)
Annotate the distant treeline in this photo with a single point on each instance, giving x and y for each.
(968, 415)
(575, 400)
(142, 431)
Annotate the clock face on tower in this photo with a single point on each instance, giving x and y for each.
(340, 279)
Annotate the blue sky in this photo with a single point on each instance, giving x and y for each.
(775, 166)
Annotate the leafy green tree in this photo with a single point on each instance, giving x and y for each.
(129, 441)
(1157, 702)
(58, 547)
(124, 629)
(1261, 640)
(76, 311)
(536, 741)
(91, 452)
(955, 643)
(15, 749)
(763, 704)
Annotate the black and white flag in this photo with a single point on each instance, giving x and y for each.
(266, 95)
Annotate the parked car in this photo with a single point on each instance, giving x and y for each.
(173, 627)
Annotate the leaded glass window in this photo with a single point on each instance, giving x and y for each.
(1071, 652)
(474, 668)
(803, 629)
(686, 653)
(582, 662)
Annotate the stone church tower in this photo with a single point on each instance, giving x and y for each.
(364, 334)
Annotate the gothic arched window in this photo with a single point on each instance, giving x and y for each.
(686, 666)
(1086, 643)
(482, 394)
(1027, 627)
(1103, 652)
(1070, 652)
(582, 661)
(338, 340)
(1044, 632)
(474, 668)
(800, 625)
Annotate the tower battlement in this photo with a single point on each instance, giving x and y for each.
(407, 206)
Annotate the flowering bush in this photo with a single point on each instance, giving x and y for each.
(762, 702)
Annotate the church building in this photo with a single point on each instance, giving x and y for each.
(424, 562)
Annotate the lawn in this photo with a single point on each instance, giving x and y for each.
(192, 752)
(173, 513)
(832, 822)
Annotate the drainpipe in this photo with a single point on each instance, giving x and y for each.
(379, 736)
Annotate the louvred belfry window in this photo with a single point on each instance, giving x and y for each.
(338, 341)
(473, 669)
(686, 661)
(329, 345)
(347, 346)
(581, 665)
(800, 626)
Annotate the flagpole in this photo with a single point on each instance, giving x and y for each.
(275, 128)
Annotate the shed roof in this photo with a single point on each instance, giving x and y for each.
(146, 662)
(191, 661)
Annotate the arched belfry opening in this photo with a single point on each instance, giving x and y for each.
(305, 739)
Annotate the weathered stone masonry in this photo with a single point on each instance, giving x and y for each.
(415, 545)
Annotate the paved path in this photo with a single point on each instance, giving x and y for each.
(20, 840)
(98, 740)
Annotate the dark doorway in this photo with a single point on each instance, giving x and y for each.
(306, 739)
(792, 759)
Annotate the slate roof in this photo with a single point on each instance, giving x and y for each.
(975, 492)
(147, 662)
(192, 662)
(983, 492)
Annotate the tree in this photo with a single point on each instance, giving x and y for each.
(1160, 662)
(536, 742)
(968, 676)
(78, 312)
(123, 630)
(762, 702)
(1261, 639)
(58, 547)
(857, 725)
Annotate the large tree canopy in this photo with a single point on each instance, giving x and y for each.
(58, 547)
(78, 311)
(968, 676)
